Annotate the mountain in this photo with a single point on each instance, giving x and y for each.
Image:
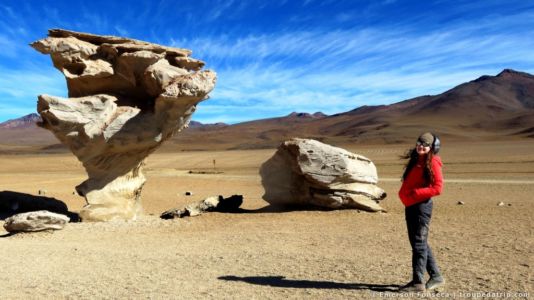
(497, 107)
(490, 106)
(24, 133)
(317, 115)
(23, 122)
(487, 108)
(195, 124)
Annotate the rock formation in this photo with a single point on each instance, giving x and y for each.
(35, 221)
(307, 172)
(125, 98)
(213, 203)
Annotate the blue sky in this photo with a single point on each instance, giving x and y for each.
(275, 57)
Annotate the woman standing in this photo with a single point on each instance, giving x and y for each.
(422, 180)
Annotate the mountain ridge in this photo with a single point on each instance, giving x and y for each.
(488, 107)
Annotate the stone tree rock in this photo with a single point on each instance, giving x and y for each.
(308, 172)
(35, 221)
(126, 97)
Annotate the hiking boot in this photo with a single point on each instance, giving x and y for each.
(412, 287)
(434, 283)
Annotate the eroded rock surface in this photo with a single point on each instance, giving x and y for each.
(126, 97)
(308, 172)
(35, 221)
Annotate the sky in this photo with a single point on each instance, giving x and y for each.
(274, 57)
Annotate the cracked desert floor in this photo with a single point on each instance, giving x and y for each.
(267, 254)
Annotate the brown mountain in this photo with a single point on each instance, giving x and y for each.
(23, 122)
(24, 133)
(195, 124)
(488, 108)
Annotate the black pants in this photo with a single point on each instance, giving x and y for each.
(418, 222)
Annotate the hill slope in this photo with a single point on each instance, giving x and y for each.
(488, 108)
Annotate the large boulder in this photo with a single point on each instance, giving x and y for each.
(35, 221)
(308, 172)
(126, 97)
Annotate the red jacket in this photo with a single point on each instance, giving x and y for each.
(415, 188)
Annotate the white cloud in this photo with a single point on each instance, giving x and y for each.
(335, 71)
(19, 90)
(305, 69)
(121, 31)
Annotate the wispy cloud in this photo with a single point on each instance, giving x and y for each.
(19, 90)
(121, 30)
(369, 48)
(341, 70)
(219, 9)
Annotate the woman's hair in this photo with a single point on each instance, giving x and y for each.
(412, 157)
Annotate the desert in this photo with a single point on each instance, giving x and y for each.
(266, 149)
(334, 254)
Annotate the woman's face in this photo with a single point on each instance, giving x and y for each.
(422, 148)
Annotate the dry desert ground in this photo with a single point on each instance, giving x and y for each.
(270, 254)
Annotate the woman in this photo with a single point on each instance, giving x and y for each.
(422, 179)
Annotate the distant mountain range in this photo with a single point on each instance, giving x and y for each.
(489, 108)
(23, 122)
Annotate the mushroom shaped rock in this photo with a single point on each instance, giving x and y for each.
(126, 97)
(308, 172)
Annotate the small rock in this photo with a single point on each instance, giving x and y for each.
(460, 203)
(509, 204)
(188, 193)
(213, 203)
(174, 213)
(208, 204)
(193, 210)
(500, 204)
(35, 221)
(42, 192)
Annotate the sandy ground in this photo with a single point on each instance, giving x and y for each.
(481, 247)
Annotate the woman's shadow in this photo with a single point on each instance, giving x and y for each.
(280, 281)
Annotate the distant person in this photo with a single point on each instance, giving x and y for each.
(422, 180)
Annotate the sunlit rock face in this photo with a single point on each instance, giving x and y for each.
(309, 173)
(126, 97)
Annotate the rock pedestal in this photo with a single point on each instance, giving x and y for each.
(126, 97)
(309, 173)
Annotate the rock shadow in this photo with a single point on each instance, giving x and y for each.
(282, 282)
(12, 203)
(7, 235)
(281, 208)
